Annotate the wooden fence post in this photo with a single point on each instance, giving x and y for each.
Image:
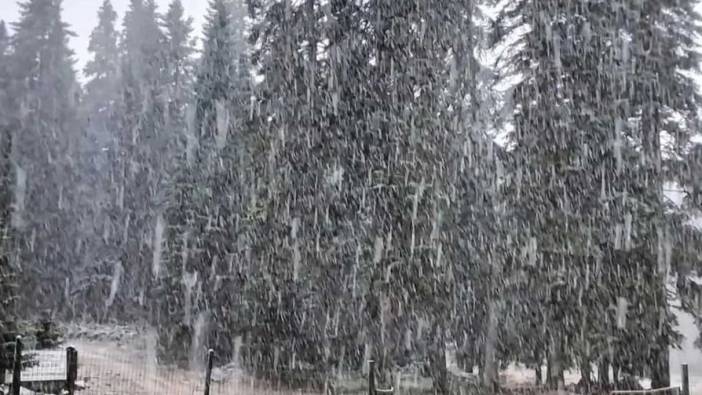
(371, 377)
(685, 380)
(17, 367)
(208, 372)
(71, 370)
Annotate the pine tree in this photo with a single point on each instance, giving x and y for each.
(103, 68)
(173, 322)
(143, 157)
(216, 76)
(45, 143)
(274, 237)
(587, 164)
(220, 126)
(560, 151)
(203, 235)
(660, 94)
(8, 285)
(100, 115)
(5, 112)
(101, 98)
(477, 249)
(300, 269)
(354, 184)
(179, 66)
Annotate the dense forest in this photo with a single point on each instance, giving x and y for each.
(318, 182)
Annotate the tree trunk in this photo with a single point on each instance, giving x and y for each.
(660, 369)
(556, 377)
(603, 372)
(437, 358)
(490, 370)
(537, 374)
(586, 374)
(466, 357)
(651, 124)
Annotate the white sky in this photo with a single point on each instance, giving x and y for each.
(81, 15)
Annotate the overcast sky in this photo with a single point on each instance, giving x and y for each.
(81, 15)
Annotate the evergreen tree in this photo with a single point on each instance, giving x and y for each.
(355, 184)
(179, 67)
(221, 93)
(100, 114)
(174, 323)
(44, 144)
(203, 217)
(560, 152)
(216, 76)
(5, 97)
(660, 94)
(587, 162)
(143, 159)
(103, 68)
(8, 285)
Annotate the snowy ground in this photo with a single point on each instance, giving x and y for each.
(688, 354)
(108, 368)
(111, 367)
(121, 360)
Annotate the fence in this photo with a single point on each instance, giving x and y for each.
(89, 369)
(111, 373)
(53, 377)
(683, 390)
(658, 391)
(372, 388)
(57, 372)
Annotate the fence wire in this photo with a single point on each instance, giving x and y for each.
(117, 373)
(47, 372)
(659, 391)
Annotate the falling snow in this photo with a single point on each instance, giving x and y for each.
(469, 193)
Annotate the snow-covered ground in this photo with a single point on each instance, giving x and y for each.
(122, 360)
(688, 354)
(108, 368)
(118, 359)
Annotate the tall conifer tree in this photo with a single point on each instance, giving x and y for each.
(45, 144)
(175, 321)
(99, 153)
(143, 156)
(8, 279)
